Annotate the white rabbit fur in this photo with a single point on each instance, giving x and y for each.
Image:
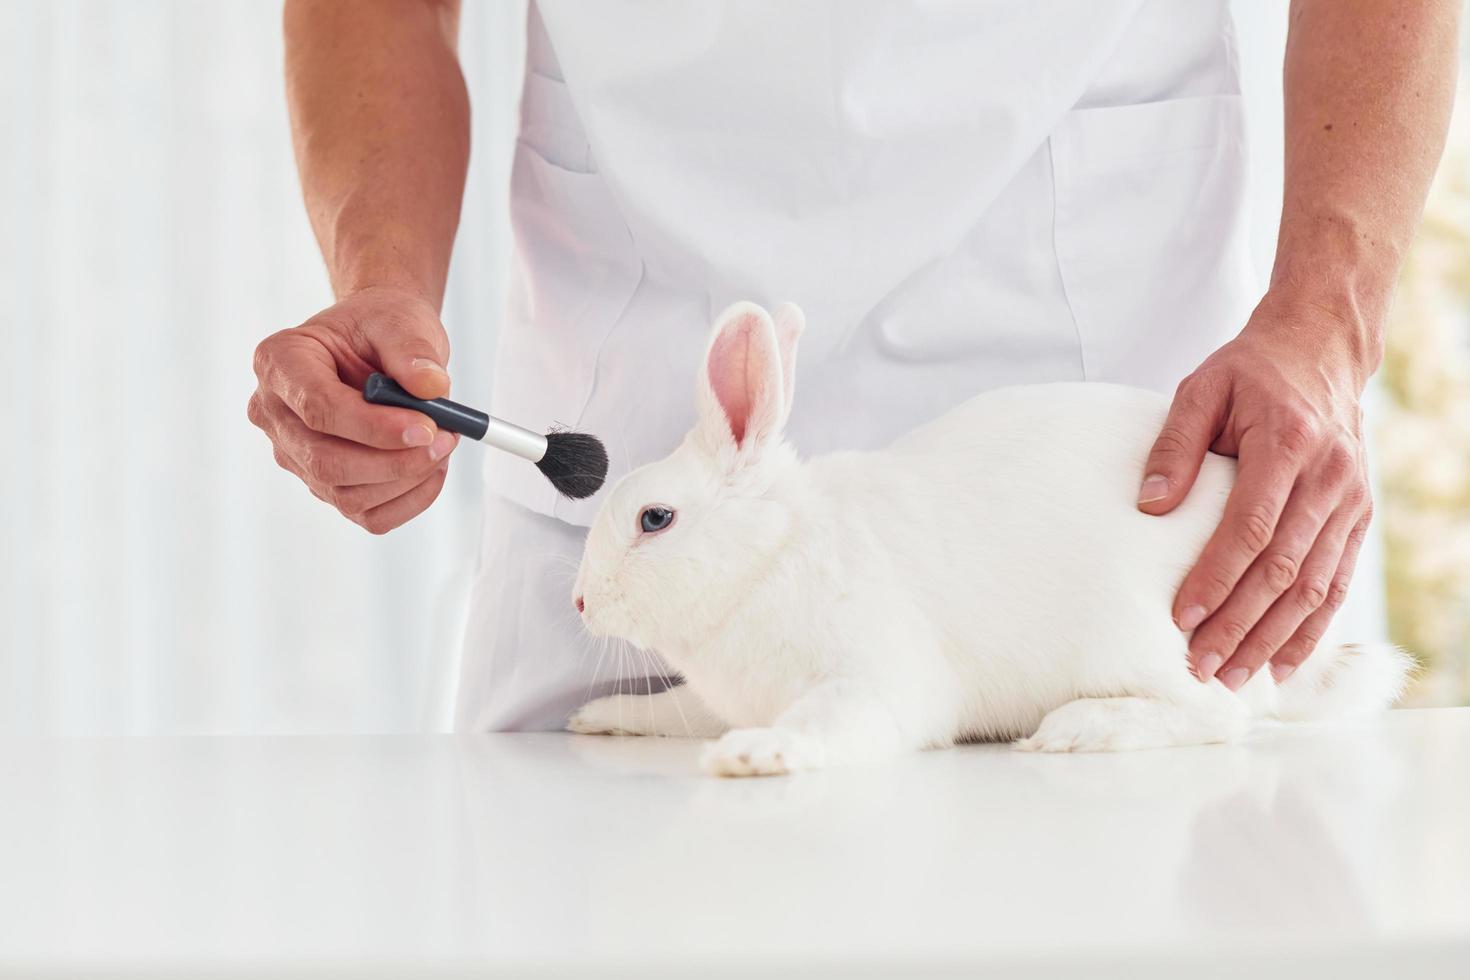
(987, 576)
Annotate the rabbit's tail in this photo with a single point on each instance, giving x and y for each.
(1353, 679)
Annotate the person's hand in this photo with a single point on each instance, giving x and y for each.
(1284, 398)
(379, 466)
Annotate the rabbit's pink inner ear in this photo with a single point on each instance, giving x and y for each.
(740, 370)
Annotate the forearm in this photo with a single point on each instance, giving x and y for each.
(380, 123)
(1368, 90)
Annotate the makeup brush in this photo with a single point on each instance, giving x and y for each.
(574, 462)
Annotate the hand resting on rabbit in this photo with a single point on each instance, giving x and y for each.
(987, 576)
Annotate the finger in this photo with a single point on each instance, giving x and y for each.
(301, 373)
(321, 493)
(285, 462)
(1272, 573)
(1297, 649)
(355, 502)
(329, 461)
(256, 413)
(384, 518)
(1194, 419)
(1262, 484)
(412, 347)
(264, 418)
(1304, 597)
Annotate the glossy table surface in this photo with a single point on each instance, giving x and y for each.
(1301, 851)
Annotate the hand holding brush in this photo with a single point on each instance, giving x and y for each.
(379, 465)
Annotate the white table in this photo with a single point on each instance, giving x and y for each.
(1340, 851)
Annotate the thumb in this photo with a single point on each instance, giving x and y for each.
(1174, 461)
(413, 350)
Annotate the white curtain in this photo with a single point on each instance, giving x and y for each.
(160, 574)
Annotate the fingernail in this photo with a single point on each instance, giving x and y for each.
(1208, 664)
(424, 364)
(1234, 677)
(417, 435)
(441, 445)
(1190, 617)
(1155, 487)
(1280, 672)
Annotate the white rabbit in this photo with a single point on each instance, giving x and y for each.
(988, 576)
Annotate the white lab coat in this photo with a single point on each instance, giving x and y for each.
(959, 195)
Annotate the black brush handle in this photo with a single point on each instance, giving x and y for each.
(383, 390)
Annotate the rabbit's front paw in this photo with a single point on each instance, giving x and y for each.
(761, 752)
(616, 715)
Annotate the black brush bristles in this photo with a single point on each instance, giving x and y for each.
(575, 463)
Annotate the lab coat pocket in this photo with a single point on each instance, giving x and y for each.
(1151, 235)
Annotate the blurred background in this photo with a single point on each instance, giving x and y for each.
(160, 574)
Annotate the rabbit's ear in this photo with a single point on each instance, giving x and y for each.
(742, 402)
(789, 322)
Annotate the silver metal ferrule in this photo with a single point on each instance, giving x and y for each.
(514, 439)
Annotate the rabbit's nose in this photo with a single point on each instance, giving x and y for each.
(580, 604)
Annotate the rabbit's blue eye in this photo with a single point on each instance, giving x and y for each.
(655, 519)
